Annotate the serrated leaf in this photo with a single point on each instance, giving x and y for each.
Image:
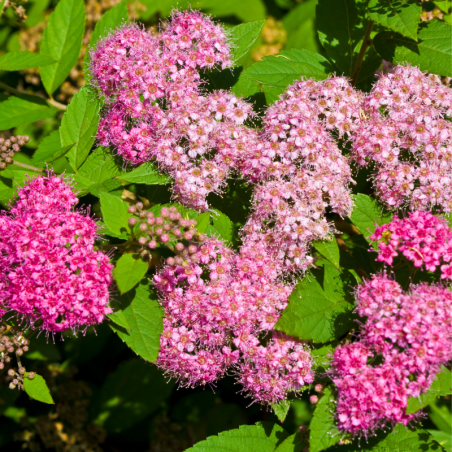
(441, 386)
(37, 389)
(131, 393)
(62, 41)
(79, 126)
(115, 213)
(281, 409)
(48, 146)
(108, 22)
(329, 250)
(17, 61)
(400, 16)
(147, 173)
(440, 414)
(245, 87)
(129, 271)
(368, 214)
(202, 221)
(432, 52)
(283, 69)
(245, 10)
(262, 437)
(23, 109)
(443, 438)
(47, 154)
(444, 5)
(294, 443)
(141, 319)
(341, 25)
(319, 308)
(322, 429)
(243, 36)
(223, 225)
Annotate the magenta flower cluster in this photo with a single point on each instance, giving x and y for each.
(405, 340)
(157, 111)
(421, 237)
(406, 139)
(49, 273)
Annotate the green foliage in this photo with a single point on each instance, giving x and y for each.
(281, 409)
(329, 250)
(129, 394)
(23, 109)
(16, 61)
(62, 41)
(37, 389)
(262, 437)
(441, 386)
(243, 36)
(146, 173)
(79, 126)
(293, 443)
(432, 52)
(138, 321)
(129, 271)
(115, 213)
(400, 16)
(322, 431)
(319, 307)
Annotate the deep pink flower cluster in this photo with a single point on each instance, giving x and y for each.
(49, 272)
(217, 307)
(406, 137)
(156, 108)
(421, 237)
(407, 337)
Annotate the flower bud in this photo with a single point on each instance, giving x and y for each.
(132, 221)
(318, 388)
(11, 372)
(31, 375)
(170, 261)
(143, 227)
(142, 240)
(314, 399)
(12, 386)
(152, 244)
(139, 205)
(22, 370)
(132, 209)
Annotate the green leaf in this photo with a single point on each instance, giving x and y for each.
(439, 413)
(443, 438)
(367, 215)
(243, 36)
(98, 173)
(290, 65)
(37, 389)
(141, 319)
(443, 5)
(441, 386)
(79, 125)
(16, 61)
(319, 308)
(245, 10)
(129, 271)
(293, 443)
(432, 52)
(48, 146)
(62, 41)
(202, 221)
(115, 213)
(23, 109)
(131, 393)
(400, 16)
(322, 429)
(223, 225)
(262, 437)
(108, 22)
(329, 250)
(148, 174)
(281, 409)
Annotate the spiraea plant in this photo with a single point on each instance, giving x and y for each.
(205, 249)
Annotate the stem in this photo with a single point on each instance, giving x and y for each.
(367, 42)
(27, 166)
(51, 101)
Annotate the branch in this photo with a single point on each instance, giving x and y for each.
(12, 90)
(367, 42)
(14, 162)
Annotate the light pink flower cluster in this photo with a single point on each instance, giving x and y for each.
(217, 307)
(421, 237)
(301, 169)
(406, 137)
(49, 272)
(407, 337)
(156, 109)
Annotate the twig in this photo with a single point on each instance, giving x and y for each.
(367, 42)
(12, 90)
(23, 165)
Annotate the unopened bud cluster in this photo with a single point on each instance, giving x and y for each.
(168, 228)
(13, 342)
(9, 147)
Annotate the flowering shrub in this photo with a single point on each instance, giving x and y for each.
(214, 214)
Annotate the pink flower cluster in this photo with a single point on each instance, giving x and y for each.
(157, 111)
(407, 337)
(217, 306)
(421, 237)
(406, 137)
(49, 272)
